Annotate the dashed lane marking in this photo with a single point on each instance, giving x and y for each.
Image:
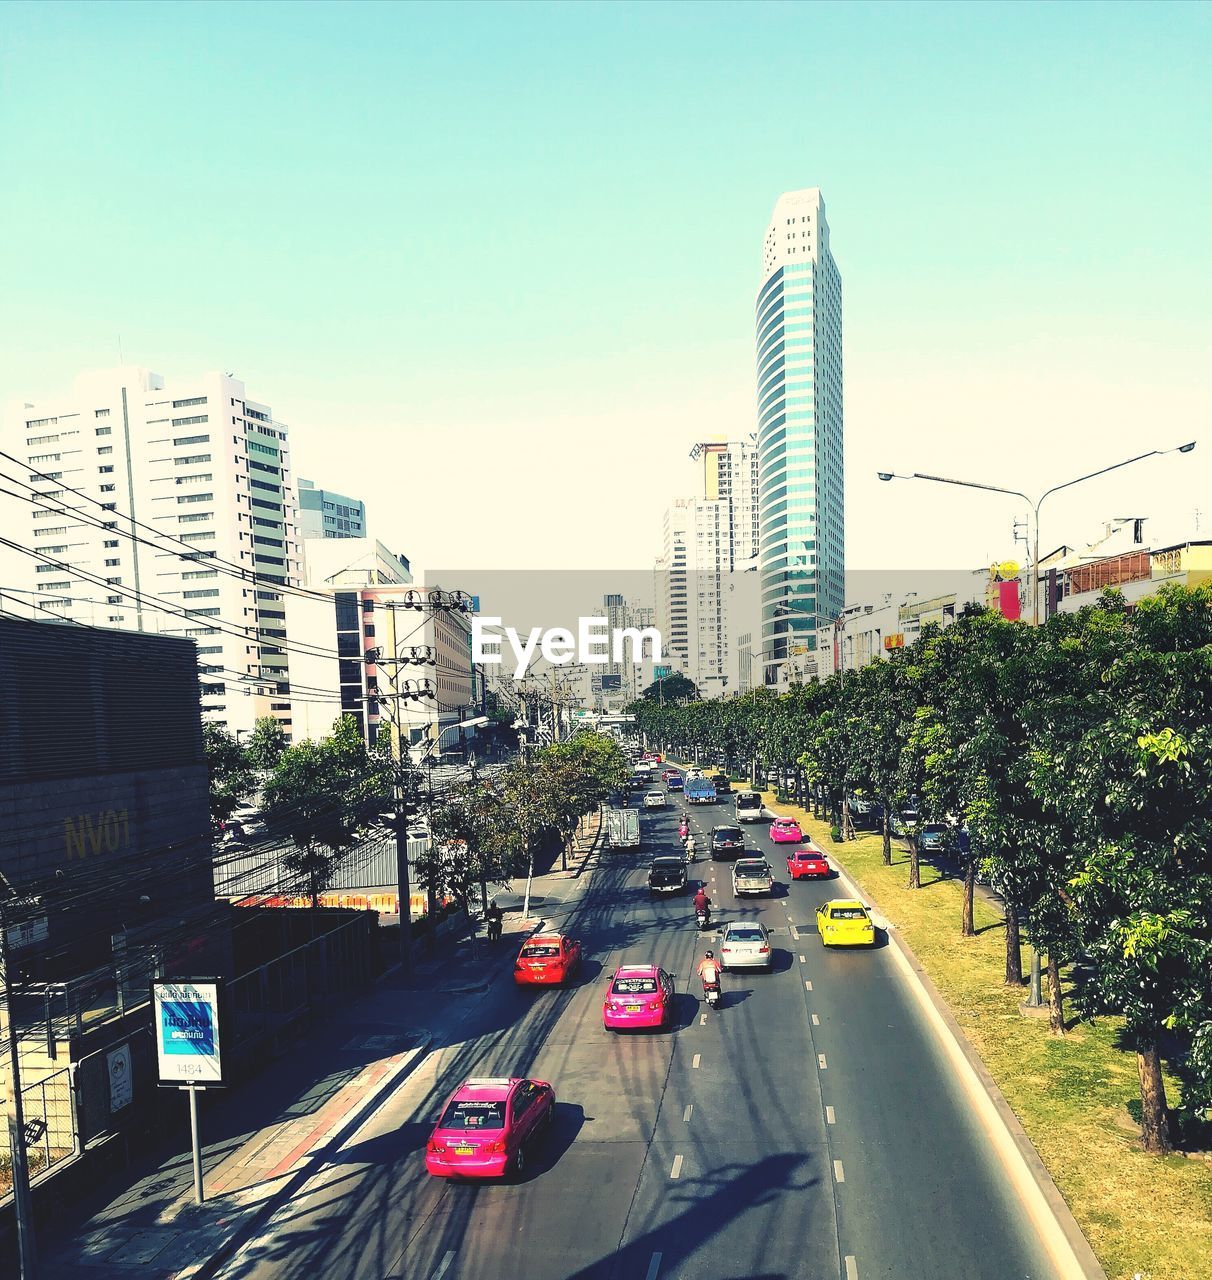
(687, 1113)
(803, 960)
(808, 985)
(816, 1022)
(702, 1019)
(851, 1267)
(839, 1173)
(676, 1171)
(445, 1265)
(654, 1266)
(830, 1116)
(820, 1062)
(698, 1057)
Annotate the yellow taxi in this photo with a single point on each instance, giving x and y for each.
(845, 922)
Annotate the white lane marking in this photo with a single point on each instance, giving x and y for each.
(820, 1062)
(851, 1267)
(655, 1265)
(808, 985)
(830, 1116)
(446, 1261)
(838, 1172)
(803, 960)
(686, 1114)
(698, 1057)
(816, 1022)
(702, 1019)
(676, 1171)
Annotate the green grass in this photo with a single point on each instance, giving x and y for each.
(1142, 1214)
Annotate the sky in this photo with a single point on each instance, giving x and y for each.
(495, 265)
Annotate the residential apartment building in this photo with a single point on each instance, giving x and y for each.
(168, 506)
(798, 320)
(324, 513)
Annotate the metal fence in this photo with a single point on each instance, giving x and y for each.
(50, 1126)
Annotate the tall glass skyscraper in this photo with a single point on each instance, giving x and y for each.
(802, 552)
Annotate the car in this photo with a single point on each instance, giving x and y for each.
(639, 995)
(726, 842)
(669, 775)
(845, 922)
(745, 944)
(674, 781)
(667, 875)
(786, 831)
(723, 784)
(748, 806)
(933, 837)
(486, 1126)
(546, 960)
(692, 773)
(751, 875)
(807, 863)
(655, 800)
(903, 823)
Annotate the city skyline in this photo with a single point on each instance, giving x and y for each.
(992, 331)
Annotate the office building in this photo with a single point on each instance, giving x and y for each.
(799, 433)
(168, 507)
(326, 514)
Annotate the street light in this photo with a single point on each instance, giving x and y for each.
(1037, 503)
(1035, 999)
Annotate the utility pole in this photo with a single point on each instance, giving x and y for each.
(27, 1248)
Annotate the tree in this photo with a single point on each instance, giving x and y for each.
(671, 688)
(232, 777)
(324, 795)
(266, 743)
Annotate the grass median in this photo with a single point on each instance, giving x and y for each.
(1144, 1216)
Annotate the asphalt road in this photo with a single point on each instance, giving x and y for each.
(807, 1128)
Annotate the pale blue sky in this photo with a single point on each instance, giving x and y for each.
(495, 264)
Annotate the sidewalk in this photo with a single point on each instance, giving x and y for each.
(264, 1138)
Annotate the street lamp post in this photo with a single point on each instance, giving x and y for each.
(1035, 998)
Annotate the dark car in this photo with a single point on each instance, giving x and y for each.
(933, 837)
(667, 875)
(723, 784)
(726, 843)
(674, 781)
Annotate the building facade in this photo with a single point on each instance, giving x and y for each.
(324, 513)
(169, 508)
(802, 551)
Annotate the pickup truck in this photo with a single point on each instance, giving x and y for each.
(667, 875)
(700, 791)
(622, 828)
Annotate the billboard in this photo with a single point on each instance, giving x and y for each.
(185, 1021)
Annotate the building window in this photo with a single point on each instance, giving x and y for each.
(185, 404)
(100, 413)
(106, 449)
(191, 440)
(194, 421)
(109, 488)
(113, 564)
(105, 470)
(110, 542)
(104, 431)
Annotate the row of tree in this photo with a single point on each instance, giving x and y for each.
(1078, 755)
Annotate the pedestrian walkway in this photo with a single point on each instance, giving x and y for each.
(271, 1133)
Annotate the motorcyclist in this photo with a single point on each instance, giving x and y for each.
(683, 829)
(494, 916)
(709, 970)
(702, 903)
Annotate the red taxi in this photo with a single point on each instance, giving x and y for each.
(485, 1127)
(546, 960)
(639, 995)
(807, 864)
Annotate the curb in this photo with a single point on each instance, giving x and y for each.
(597, 840)
(1051, 1216)
(342, 1130)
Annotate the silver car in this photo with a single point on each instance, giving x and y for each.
(745, 944)
(751, 875)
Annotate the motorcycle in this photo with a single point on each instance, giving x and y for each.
(711, 993)
(683, 830)
(690, 849)
(702, 917)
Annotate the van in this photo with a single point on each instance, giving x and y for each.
(749, 806)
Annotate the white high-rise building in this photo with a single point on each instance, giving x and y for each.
(802, 550)
(168, 507)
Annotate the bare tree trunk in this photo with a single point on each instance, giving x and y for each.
(1155, 1119)
(887, 839)
(915, 866)
(1056, 1006)
(969, 929)
(1014, 956)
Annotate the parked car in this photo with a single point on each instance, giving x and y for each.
(933, 837)
(486, 1125)
(546, 960)
(752, 875)
(667, 875)
(745, 944)
(726, 842)
(845, 922)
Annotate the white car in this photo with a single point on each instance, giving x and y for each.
(655, 800)
(745, 945)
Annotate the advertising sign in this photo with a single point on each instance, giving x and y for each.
(185, 1021)
(121, 1084)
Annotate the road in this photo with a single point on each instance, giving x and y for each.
(808, 1128)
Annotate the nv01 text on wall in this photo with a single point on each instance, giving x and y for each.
(88, 836)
